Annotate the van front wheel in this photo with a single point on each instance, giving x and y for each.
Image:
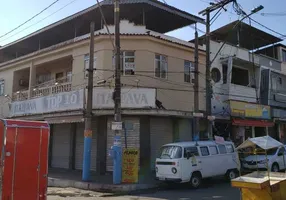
(231, 174)
(196, 180)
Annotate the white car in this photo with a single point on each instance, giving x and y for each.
(274, 160)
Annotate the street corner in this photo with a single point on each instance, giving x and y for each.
(71, 192)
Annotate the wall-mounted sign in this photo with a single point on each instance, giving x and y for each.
(130, 162)
(279, 113)
(73, 100)
(249, 110)
(130, 98)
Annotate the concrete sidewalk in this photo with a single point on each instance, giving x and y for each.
(103, 183)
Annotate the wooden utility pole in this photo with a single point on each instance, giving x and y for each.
(196, 86)
(207, 12)
(117, 100)
(88, 111)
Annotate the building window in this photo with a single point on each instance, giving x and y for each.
(2, 86)
(189, 72)
(240, 76)
(86, 65)
(224, 73)
(42, 78)
(161, 66)
(283, 55)
(127, 62)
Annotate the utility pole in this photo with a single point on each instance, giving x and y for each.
(117, 164)
(196, 86)
(207, 12)
(88, 113)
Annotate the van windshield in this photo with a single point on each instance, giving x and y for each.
(170, 152)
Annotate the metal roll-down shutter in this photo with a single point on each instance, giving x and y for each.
(161, 131)
(80, 146)
(61, 146)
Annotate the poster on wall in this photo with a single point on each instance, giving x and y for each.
(130, 162)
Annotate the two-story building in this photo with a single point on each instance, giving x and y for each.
(43, 77)
(238, 80)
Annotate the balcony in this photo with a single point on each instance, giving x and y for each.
(45, 89)
(242, 93)
(53, 87)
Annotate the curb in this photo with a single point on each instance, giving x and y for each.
(54, 182)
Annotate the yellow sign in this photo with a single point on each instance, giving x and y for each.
(130, 162)
(251, 110)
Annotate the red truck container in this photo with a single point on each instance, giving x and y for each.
(24, 159)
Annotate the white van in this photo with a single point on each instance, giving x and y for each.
(192, 161)
(275, 159)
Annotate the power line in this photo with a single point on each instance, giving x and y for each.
(282, 35)
(106, 26)
(39, 21)
(29, 19)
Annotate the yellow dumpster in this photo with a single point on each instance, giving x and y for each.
(261, 186)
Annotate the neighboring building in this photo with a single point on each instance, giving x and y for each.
(274, 88)
(238, 81)
(43, 77)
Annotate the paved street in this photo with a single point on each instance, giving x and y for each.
(213, 190)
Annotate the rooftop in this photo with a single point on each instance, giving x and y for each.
(151, 13)
(239, 33)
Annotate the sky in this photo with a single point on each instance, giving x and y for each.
(15, 12)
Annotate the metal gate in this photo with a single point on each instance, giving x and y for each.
(80, 145)
(61, 146)
(132, 133)
(161, 131)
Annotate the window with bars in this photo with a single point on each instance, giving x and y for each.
(86, 65)
(127, 62)
(189, 72)
(161, 66)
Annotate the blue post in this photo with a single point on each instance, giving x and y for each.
(117, 160)
(86, 156)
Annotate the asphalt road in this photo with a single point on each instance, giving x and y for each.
(212, 190)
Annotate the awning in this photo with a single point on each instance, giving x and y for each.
(265, 142)
(256, 123)
(65, 119)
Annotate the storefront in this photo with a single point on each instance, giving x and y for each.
(279, 116)
(145, 127)
(249, 120)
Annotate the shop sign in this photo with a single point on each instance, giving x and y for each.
(130, 162)
(130, 98)
(279, 113)
(73, 100)
(249, 110)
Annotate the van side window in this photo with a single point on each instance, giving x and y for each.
(204, 151)
(192, 150)
(229, 148)
(222, 149)
(213, 150)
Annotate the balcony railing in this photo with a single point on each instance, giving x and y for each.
(45, 89)
(49, 90)
(20, 95)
